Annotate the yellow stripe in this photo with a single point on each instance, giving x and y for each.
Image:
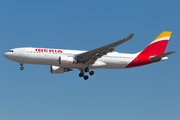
(163, 34)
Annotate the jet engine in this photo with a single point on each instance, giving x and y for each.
(57, 69)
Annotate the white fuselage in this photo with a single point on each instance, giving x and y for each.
(61, 60)
(45, 56)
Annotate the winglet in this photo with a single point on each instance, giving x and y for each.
(130, 36)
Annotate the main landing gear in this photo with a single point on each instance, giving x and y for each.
(82, 73)
(21, 68)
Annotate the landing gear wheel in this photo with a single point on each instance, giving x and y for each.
(21, 68)
(91, 72)
(86, 77)
(86, 70)
(81, 74)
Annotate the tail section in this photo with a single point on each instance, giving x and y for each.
(155, 48)
(158, 46)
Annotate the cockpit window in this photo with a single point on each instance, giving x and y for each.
(10, 51)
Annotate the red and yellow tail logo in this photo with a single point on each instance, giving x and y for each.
(155, 48)
(158, 46)
(165, 35)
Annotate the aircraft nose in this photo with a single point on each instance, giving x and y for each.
(5, 55)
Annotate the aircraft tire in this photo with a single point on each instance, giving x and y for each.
(86, 70)
(81, 74)
(86, 77)
(91, 72)
(21, 68)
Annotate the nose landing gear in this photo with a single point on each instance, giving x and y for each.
(21, 68)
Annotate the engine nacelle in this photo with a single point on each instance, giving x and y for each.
(66, 60)
(57, 69)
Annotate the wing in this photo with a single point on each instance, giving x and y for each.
(91, 56)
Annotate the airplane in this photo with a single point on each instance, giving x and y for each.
(63, 60)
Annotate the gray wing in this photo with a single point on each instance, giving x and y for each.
(91, 56)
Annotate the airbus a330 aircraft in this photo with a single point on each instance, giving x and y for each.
(62, 60)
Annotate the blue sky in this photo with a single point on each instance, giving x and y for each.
(144, 93)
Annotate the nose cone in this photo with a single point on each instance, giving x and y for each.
(7, 55)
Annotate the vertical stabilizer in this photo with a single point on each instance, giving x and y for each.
(155, 48)
(158, 45)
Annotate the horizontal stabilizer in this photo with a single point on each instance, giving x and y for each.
(161, 56)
